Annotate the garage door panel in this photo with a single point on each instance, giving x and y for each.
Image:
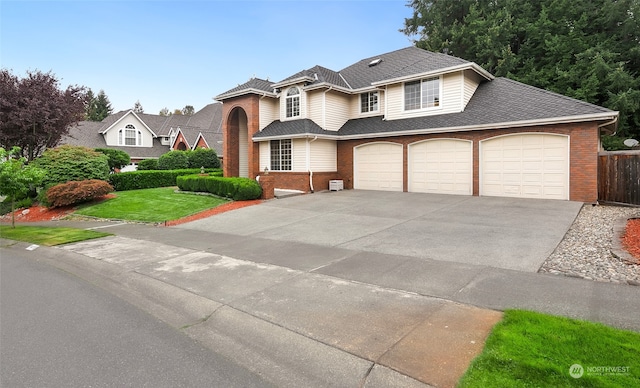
(378, 166)
(441, 166)
(526, 165)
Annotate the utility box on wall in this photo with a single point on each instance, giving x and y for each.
(336, 185)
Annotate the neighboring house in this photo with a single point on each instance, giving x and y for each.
(417, 121)
(145, 136)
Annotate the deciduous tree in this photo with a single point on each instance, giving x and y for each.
(35, 113)
(16, 177)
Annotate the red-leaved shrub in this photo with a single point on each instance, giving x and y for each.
(74, 192)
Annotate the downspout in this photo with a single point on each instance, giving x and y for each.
(604, 125)
(309, 162)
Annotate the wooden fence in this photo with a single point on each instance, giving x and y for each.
(619, 177)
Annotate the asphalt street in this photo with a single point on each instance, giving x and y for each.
(60, 331)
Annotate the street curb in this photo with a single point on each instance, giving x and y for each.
(284, 357)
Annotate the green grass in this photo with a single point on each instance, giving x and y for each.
(151, 205)
(48, 236)
(528, 349)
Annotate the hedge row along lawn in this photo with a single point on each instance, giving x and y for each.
(151, 205)
(48, 236)
(528, 349)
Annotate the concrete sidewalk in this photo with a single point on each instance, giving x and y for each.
(309, 315)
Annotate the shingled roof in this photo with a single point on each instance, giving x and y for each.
(496, 104)
(206, 122)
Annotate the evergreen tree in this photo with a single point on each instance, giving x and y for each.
(137, 107)
(103, 106)
(586, 49)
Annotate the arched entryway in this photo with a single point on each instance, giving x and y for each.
(237, 147)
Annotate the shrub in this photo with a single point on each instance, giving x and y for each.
(203, 157)
(238, 189)
(75, 192)
(147, 179)
(148, 164)
(24, 203)
(71, 163)
(117, 158)
(173, 160)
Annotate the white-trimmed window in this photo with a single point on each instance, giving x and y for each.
(422, 94)
(280, 155)
(129, 136)
(293, 102)
(369, 102)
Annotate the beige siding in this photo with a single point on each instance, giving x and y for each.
(336, 111)
(299, 155)
(451, 99)
(323, 155)
(265, 155)
(268, 111)
(314, 100)
(111, 137)
(471, 82)
(283, 104)
(354, 106)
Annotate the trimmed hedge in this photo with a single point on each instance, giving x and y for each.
(74, 192)
(149, 179)
(238, 189)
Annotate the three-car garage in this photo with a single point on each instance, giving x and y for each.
(524, 165)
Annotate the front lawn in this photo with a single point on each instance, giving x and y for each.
(48, 236)
(151, 205)
(528, 349)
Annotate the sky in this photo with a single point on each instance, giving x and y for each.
(177, 53)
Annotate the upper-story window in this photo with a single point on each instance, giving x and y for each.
(369, 102)
(422, 94)
(293, 102)
(129, 136)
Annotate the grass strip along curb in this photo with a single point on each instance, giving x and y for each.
(48, 236)
(528, 349)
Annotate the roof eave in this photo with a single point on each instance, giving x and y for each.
(328, 85)
(293, 81)
(122, 118)
(607, 117)
(306, 135)
(238, 93)
(464, 66)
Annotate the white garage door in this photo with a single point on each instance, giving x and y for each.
(443, 166)
(378, 166)
(527, 166)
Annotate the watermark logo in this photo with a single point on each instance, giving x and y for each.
(576, 371)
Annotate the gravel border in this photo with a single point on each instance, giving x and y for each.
(586, 249)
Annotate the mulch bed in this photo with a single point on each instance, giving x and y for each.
(631, 238)
(216, 210)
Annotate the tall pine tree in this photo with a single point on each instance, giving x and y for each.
(586, 49)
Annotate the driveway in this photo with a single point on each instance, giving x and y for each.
(507, 233)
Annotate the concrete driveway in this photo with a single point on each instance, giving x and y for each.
(504, 233)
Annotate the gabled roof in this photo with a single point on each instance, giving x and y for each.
(367, 73)
(130, 112)
(206, 122)
(396, 64)
(501, 103)
(253, 86)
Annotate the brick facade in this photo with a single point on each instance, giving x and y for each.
(231, 111)
(583, 157)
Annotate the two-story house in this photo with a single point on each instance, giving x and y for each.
(417, 121)
(147, 136)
